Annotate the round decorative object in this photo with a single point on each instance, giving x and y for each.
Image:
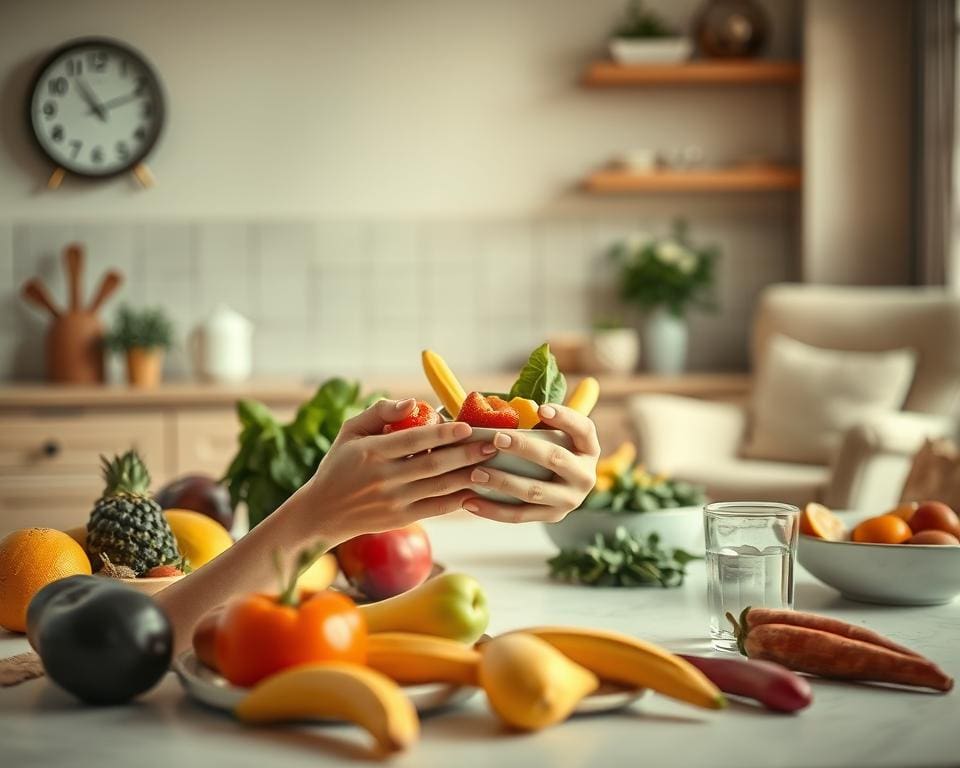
(730, 29)
(96, 107)
(614, 350)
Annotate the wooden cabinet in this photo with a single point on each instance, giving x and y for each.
(51, 438)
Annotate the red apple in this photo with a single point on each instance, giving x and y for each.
(382, 565)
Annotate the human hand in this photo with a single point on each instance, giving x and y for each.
(370, 482)
(575, 471)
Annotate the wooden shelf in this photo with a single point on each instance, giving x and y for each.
(752, 179)
(602, 74)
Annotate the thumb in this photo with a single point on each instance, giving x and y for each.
(377, 416)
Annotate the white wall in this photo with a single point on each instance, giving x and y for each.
(858, 108)
(372, 107)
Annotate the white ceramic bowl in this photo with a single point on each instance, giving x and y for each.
(678, 528)
(890, 574)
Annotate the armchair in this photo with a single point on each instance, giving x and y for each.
(702, 441)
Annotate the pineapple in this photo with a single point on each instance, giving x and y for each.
(126, 524)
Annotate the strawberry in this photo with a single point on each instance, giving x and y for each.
(493, 412)
(422, 415)
(162, 570)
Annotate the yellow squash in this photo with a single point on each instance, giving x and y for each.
(413, 659)
(617, 462)
(584, 396)
(444, 383)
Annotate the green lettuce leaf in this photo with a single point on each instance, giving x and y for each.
(540, 379)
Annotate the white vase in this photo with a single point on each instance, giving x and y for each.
(616, 350)
(223, 347)
(664, 342)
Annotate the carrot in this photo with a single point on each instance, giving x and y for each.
(816, 652)
(753, 617)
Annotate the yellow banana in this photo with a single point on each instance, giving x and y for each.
(530, 685)
(337, 691)
(604, 483)
(527, 411)
(412, 659)
(584, 397)
(444, 383)
(617, 462)
(625, 660)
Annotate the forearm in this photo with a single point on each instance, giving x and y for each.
(247, 566)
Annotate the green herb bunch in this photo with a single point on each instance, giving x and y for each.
(621, 561)
(666, 272)
(540, 378)
(147, 328)
(636, 490)
(273, 459)
(639, 23)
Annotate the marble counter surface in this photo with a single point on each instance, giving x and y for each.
(848, 725)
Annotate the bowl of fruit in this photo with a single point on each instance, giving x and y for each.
(539, 382)
(628, 496)
(907, 556)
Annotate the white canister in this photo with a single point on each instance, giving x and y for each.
(225, 346)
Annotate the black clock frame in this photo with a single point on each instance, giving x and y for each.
(160, 108)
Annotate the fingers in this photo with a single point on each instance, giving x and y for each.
(432, 487)
(548, 455)
(377, 416)
(396, 445)
(525, 489)
(438, 505)
(581, 428)
(433, 463)
(512, 513)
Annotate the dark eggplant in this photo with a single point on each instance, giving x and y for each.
(101, 640)
(198, 493)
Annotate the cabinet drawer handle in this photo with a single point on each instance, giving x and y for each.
(50, 448)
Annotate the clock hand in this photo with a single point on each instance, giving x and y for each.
(118, 100)
(91, 99)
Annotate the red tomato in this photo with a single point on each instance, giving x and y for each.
(382, 565)
(258, 636)
(935, 516)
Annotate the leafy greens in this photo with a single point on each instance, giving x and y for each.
(540, 379)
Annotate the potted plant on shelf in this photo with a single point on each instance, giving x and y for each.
(644, 38)
(143, 336)
(665, 277)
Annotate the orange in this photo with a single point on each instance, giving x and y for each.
(816, 520)
(30, 559)
(904, 510)
(885, 529)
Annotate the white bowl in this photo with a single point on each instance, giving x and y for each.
(657, 50)
(678, 528)
(890, 574)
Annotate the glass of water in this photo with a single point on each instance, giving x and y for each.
(751, 546)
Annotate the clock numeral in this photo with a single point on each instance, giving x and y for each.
(76, 145)
(96, 154)
(140, 134)
(49, 109)
(141, 85)
(97, 60)
(57, 133)
(123, 152)
(74, 67)
(147, 109)
(58, 86)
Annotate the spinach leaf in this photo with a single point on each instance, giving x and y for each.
(540, 379)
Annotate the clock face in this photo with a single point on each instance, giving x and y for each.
(96, 108)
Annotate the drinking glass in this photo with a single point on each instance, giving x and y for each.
(751, 547)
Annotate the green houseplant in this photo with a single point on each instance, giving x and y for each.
(144, 336)
(643, 37)
(665, 277)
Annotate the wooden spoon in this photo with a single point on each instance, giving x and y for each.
(74, 258)
(111, 281)
(35, 291)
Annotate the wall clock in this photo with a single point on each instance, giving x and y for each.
(96, 109)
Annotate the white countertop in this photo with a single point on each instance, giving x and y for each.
(847, 725)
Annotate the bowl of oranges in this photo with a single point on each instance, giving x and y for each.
(909, 555)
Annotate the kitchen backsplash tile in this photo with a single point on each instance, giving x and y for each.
(365, 296)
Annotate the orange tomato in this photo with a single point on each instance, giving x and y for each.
(935, 516)
(905, 510)
(816, 520)
(885, 529)
(260, 635)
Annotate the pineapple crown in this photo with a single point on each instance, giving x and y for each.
(125, 474)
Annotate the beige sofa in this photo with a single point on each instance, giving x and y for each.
(703, 441)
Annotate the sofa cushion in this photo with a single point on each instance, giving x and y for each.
(747, 480)
(807, 397)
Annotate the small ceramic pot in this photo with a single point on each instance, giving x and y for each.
(616, 350)
(144, 367)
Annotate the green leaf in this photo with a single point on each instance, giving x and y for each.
(252, 413)
(540, 379)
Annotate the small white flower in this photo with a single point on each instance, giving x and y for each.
(671, 252)
(687, 264)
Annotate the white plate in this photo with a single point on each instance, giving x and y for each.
(207, 687)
